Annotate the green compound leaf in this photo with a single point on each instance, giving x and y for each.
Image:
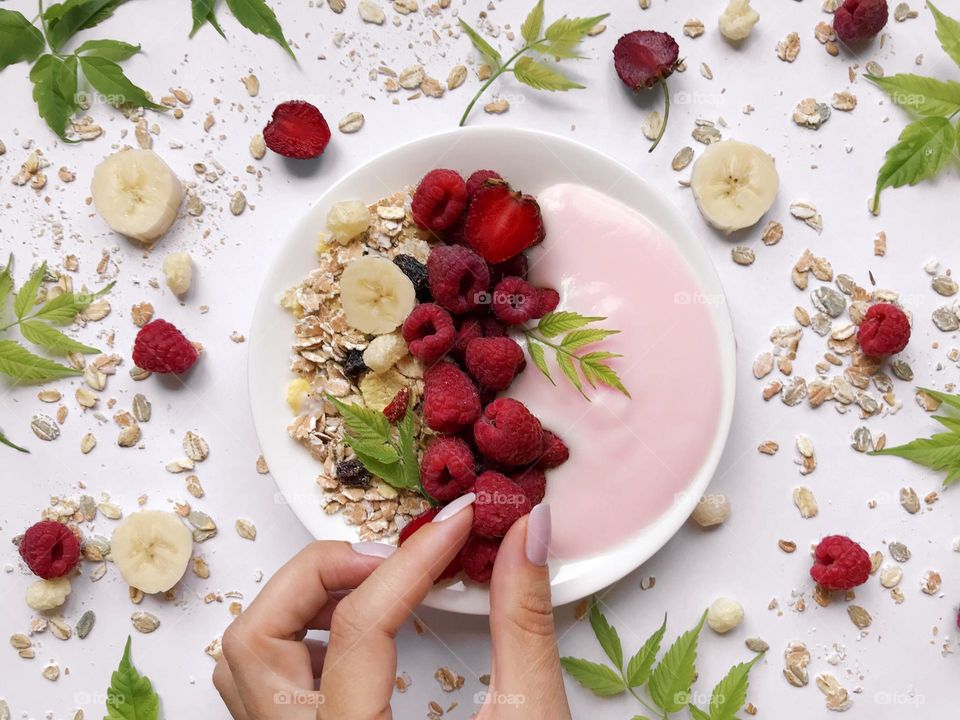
(130, 695)
(598, 679)
(638, 669)
(55, 91)
(9, 444)
(68, 18)
(730, 694)
(948, 33)
(21, 364)
(115, 50)
(109, 80)
(53, 340)
(542, 77)
(485, 48)
(924, 96)
(26, 298)
(672, 677)
(257, 17)
(204, 11)
(530, 30)
(923, 150)
(606, 634)
(539, 358)
(556, 323)
(20, 40)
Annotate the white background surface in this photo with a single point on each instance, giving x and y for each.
(897, 663)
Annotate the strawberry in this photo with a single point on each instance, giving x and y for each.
(297, 130)
(502, 223)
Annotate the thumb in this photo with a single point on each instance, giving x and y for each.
(526, 662)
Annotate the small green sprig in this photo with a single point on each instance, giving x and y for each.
(559, 40)
(926, 144)
(5, 441)
(593, 366)
(668, 682)
(255, 15)
(131, 695)
(389, 454)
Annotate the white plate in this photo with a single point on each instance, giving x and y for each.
(532, 161)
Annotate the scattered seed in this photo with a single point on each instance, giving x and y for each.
(788, 546)
(890, 576)
(757, 645)
(805, 501)
(899, 552)
(683, 158)
(772, 233)
(743, 255)
(252, 85)
(768, 447)
(45, 427)
(457, 76)
(944, 285)
(145, 622)
(351, 122)
(195, 447)
(909, 500)
(693, 28)
(258, 147)
(85, 624)
(497, 107)
(931, 582)
(129, 436)
(246, 529)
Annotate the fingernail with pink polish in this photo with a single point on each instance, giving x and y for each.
(456, 506)
(374, 549)
(538, 534)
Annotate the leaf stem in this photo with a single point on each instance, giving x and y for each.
(499, 71)
(666, 114)
(642, 701)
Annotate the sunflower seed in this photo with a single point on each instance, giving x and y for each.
(195, 447)
(49, 396)
(652, 125)
(110, 510)
(51, 672)
(859, 616)
(351, 122)
(142, 410)
(45, 427)
(706, 134)
(145, 622)
(337, 5)
(194, 487)
(200, 536)
(246, 529)
(258, 147)
(497, 107)
(862, 440)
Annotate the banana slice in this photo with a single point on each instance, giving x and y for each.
(376, 295)
(151, 549)
(734, 184)
(137, 194)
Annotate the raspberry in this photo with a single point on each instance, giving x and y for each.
(447, 469)
(554, 452)
(161, 348)
(459, 278)
(857, 20)
(501, 222)
(885, 330)
(645, 57)
(517, 266)
(500, 503)
(352, 473)
(508, 433)
(495, 362)
(416, 271)
(515, 301)
(471, 328)
(439, 200)
(839, 563)
(533, 482)
(297, 130)
(478, 557)
(493, 328)
(50, 549)
(450, 399)
(397, 408)
(429, 332)
(547, 301)
(418, 522)
(478, 179)
(353, 365)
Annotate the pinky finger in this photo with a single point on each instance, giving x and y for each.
(227, 687)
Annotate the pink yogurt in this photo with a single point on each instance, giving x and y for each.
(629, 458)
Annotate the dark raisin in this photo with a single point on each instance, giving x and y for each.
(352, 473)
(417, 272)
(353, 365)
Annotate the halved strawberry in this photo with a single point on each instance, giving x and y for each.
(297, 130)
(501, 222)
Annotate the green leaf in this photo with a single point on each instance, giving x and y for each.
(257, 17)
(68, 18)
(390, 473)
(566, 364)
(20, 40)
(951, 423)
(53, 340)
(731, 693)
(581, 338)
(26, 298)
(606, 635)
(204, 11)
(940, 452)
(5, 441)
(538, 356)
(672, 677)
(377, 450)
(109, 80)
(948, 33)
(638, 669)
(595, 371)
(62, 309)
(408, 451)
(363, 422)
(115, 50)
(946, 398)
(542, 77)
(21, 364)
(563, 36)
(696, 713)
(923, 149)
(55, 91)
(485, 48)
(530, 30)
(556, 323)
(130, 695)
(6, 284)
(922, 95)
(599, 679)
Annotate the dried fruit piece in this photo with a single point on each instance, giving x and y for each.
(297, 130)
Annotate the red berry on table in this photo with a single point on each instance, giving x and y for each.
(478, 179)
(429, 332)
(502, 223)
(397, 408)
(50, 549)
(297, 130)
(459, 278)
(858, 20)
(645, 57)
(161, 348)
(440, 200)
(515, 301)
(418, 522)
(839, 563)
(478, 557)
(447, 469)
(554, 452)
(500, 503)
(495, 362)
(885, 330)
(450, 399)
(508, 433)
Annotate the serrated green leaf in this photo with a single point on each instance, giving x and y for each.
(363, 421)
(941, 452)
(696, 713)
(638, 669)
(596, 371)
(946, 398)
(52, 340)
(923, 95)
(485, 48)
(204, 11)
(672, 677)
(923, 149)
(566, 363)
(130, 695)
(26, 298)
(109, 80)
(556, 323)
(730, 694)
(68, 18)
(563, 36)
(20, 40)
(581, 338)
(390, 473)
(530, 30)
(607, 635)
(21, 364)
(539, 358)
(10, 444)
(55, 91)
(6, 284)
(948, 33)
(599, 679)
(542, 77)
(115, 50)
(62, 309)
(951, 423)
(408, 451)
(257, 17)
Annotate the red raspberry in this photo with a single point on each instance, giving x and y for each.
(502, 223)
(495, 362)
(500, 503)
(439, 200)
(478, 557)
(418, 522)
(447, 469)
(493, 328)
(508, 433)
(554, 452)
(458, 277)
(533, 482)
(297, 130)
(397, 407)
(858, 20)
(885, 330)
(547, 301)
(50, 549)
(471, 328)
(450, 399)
(478, 179)
(839, 563)
(517, 266)
(161, 348)
(429, 332)
(645, 57)
(515, 301)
